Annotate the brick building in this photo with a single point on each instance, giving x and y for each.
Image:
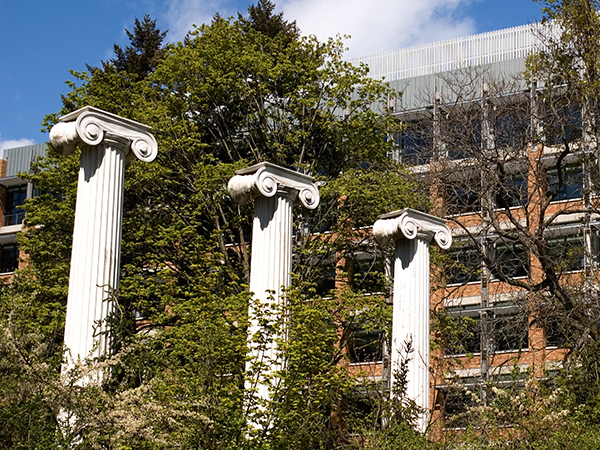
(13, 193)
(481, 137)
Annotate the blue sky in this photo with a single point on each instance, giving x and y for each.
(41, 40)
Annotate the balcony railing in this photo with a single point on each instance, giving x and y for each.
(14, 219)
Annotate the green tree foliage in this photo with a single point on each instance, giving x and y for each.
(113, 86)
(233, 93)
(146, 50)
(261, 18)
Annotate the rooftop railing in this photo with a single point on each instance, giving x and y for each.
(443, 56)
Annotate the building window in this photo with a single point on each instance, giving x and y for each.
(9, 258)
(15, 198)
(464, 265)
(325, 282)
(466, 393)
(510, 330)
(507, 325)
(508, 260)
(564, 124)
(465, 329)
(512, 130)
(555, 336)
(462, 196)
(457, 403)
(511, 260)
(366, 346)
(463, 139)
(569, 187)
(414, 144)
(362, 411)
(566, 253)
(512, 192)
(368, 273)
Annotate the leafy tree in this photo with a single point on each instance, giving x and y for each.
(142, 56)
(146, 50)
(233, 93)
(131, 65)
(261, 18)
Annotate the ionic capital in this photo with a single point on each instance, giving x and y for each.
(267, 179)
(409, 224)
(92, 126)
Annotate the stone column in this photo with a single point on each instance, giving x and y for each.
(412, 231)
(107, 142)
(275, 191)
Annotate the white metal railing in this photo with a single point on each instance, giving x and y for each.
(14, 219)
(443, 56)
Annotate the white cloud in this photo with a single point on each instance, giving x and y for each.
(183, 14)
(12, 143)
(375, 26)
(379, 25)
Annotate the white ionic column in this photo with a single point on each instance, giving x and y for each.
(412, 231)
(275, 191)
(107, 141)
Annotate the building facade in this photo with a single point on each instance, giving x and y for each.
(512, 166)
(13, 193)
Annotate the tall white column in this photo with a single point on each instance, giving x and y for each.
(107, 141)
(412, 231)
(275, 191)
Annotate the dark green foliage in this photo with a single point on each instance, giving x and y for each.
(146, 50)
(141, 57)
(113, 87)
(262, 19)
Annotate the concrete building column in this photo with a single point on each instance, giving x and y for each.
(411, 231)
(275, 190)
(107, 142)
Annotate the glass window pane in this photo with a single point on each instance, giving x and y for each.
(366, 346)
(464, 265)
(9, 258)
(512, 192)
(569, 187)
(510, 331)
(15, 197)
(566, 252)
(511, 260)
(415, 143)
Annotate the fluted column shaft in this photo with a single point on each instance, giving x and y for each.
(275, 191)
(270, 268)
(107, 142)
(410, 326)
(411, 232)
(95, 257)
